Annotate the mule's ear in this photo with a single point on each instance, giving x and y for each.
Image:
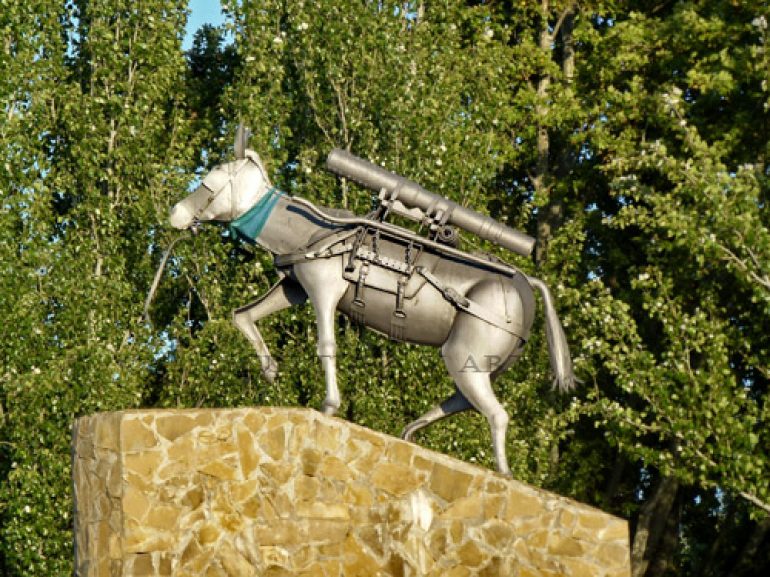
(241, 141)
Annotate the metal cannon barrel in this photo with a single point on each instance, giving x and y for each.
(412, 194)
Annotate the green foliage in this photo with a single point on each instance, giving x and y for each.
(692, 194)
(631, 138)
(95, 143)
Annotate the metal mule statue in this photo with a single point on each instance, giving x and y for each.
(411, 287)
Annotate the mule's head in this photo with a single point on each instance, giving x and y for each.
(226, 192)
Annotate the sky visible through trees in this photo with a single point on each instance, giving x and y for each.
(201, 12)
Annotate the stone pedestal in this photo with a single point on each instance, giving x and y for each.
(269, 491)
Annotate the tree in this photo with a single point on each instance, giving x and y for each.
(95, 144)
(630, 138)
(681, 379)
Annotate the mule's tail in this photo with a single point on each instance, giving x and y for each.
(561, 362)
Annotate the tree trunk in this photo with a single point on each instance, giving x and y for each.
(551, 215)
(745, 563)
(566, 158)
(664, 555)
(725, 528)
(541, 179)
(651, 524)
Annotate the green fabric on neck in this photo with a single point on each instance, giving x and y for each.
(249, 225)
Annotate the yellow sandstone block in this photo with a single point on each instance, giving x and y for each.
(107, 433)
(334, 468)
(612, 555)
(321, 510)
(172, 426)
(356, 561)
(247, 451)
(580, 568)
(135, 435)
(470, 507)
(449, 484)
(234, 563)
(281, 532)
(135, 503)
(326, 437)
(614, 530)
(272, 491)
(277, 473)
(497, 535)
(327, 530)
(220, 469)
(395, 478)
(564, 547)
(523, 504)
(144, 464)
(470, 555)
(273, 442)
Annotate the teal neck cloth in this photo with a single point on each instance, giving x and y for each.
(249, 225)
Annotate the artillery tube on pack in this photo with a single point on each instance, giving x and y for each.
(412, 194)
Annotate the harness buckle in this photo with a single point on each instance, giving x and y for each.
(455, 297)
(400, 289)
(358, 299)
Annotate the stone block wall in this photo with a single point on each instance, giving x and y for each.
(270, 491)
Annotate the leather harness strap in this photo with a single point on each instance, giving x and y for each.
(457, 300)
(284, 260)
(471, 307)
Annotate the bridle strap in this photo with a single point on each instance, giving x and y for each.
(213, 194)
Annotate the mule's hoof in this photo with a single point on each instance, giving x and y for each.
(270, 370)
(271, 375)
(411, 429)
(328, 409)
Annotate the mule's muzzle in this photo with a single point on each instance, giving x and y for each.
(180, 218)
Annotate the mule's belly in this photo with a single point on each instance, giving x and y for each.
(425, 319)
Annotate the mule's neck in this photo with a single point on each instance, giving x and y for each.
(289, 228)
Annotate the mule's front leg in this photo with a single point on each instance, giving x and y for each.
(323, 282)
(283, 294)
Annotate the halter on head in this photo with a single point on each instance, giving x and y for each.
(214, 189)
(208, 201)
(213, 193)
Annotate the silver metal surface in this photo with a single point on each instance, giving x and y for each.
(410, 288)
(412, 195)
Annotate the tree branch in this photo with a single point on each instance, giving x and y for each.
(755, 501)
(555, 32)
(763, 280)
(341, 106)
(314, 104)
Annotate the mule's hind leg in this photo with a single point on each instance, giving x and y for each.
(283, 294)
(457, 403)
(454, 404)
(473, 354)
(477, 388)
